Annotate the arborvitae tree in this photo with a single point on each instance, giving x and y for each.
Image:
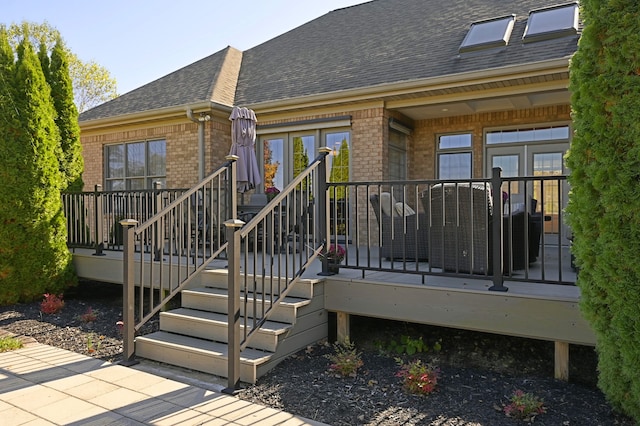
(34, 258)
(92, 82)
(71, 161)
(43, 56)
(604, 206)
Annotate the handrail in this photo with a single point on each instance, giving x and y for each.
(93, 217)
(289, 232)
(431, 236)
(163, 254)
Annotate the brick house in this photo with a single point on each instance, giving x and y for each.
(418, 89)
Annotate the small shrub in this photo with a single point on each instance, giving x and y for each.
(8, 343)
(410, 346)
(94, 344)
(419, 378)
(346, 360)
(524, 406)
(51, 304)
(89, 316)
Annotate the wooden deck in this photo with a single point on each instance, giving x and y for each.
(528, 309)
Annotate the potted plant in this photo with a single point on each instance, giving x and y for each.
(271, 192)
(334, 256)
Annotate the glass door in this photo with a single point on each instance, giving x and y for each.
(553, 194)
(539, 161)
(273, 162)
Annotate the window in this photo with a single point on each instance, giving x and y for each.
(397, 155)
(486, 34)
(552, 22)
(454, 156)
(541, 134)
(339, 157)
(273, 162)
(285, 155)
(135, 165)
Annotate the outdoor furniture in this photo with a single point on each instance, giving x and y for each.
(461, 230)
(517, 207)
(460, 234)
(405, 233)
(514, 239)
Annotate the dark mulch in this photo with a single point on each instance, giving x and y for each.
(478, 374)
(478, 371)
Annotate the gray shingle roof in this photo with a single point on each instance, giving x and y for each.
(386, 41)
(194, 83)
(375, 43)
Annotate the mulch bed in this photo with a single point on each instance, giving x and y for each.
(478, 371)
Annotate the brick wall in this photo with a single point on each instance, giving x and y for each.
(369, 135)
(423, 146)
(182, 149)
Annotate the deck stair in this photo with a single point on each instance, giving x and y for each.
(194, 336)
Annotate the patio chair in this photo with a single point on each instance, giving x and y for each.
(405, 232)
(460, 227)
(519, 210)
(515, 242)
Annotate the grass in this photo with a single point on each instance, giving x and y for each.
(8, 343)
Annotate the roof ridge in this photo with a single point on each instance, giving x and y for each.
(223, 86)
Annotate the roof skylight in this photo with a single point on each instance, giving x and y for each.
(552, 22)
(486, 34)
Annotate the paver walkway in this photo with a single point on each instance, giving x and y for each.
(44, 385)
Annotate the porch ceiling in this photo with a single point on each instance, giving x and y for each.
(502, 95)
(466, 107)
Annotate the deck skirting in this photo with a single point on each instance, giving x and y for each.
(550, 316)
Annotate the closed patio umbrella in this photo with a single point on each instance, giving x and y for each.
(243, 138)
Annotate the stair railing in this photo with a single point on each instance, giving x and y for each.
(284, 237)
(166, 252)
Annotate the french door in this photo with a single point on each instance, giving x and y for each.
(537, 160)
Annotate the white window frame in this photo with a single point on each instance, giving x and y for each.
(147, 177)
(454, 151)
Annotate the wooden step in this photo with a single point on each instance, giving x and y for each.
(304, 288)
(213, 326)
(216, 300)
(198, 354)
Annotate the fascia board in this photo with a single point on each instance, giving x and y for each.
(156, 115)
(407, 87)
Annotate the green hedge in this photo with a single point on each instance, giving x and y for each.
(34, 258)
(604, 206)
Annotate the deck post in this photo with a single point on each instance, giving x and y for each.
(233, 227)
(323, 209)
(232, 179)
(343, 327)
(97, 215)
(158, 248)
(233, 306)
(128, 293)
(496, 235)
(561, 361)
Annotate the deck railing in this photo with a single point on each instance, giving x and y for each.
(375, 241)
(283, 238)
(93, 218)
(165, 252)
(456, 228)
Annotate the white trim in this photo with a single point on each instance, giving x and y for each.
(318, 125)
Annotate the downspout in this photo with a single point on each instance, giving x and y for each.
(200, 120)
